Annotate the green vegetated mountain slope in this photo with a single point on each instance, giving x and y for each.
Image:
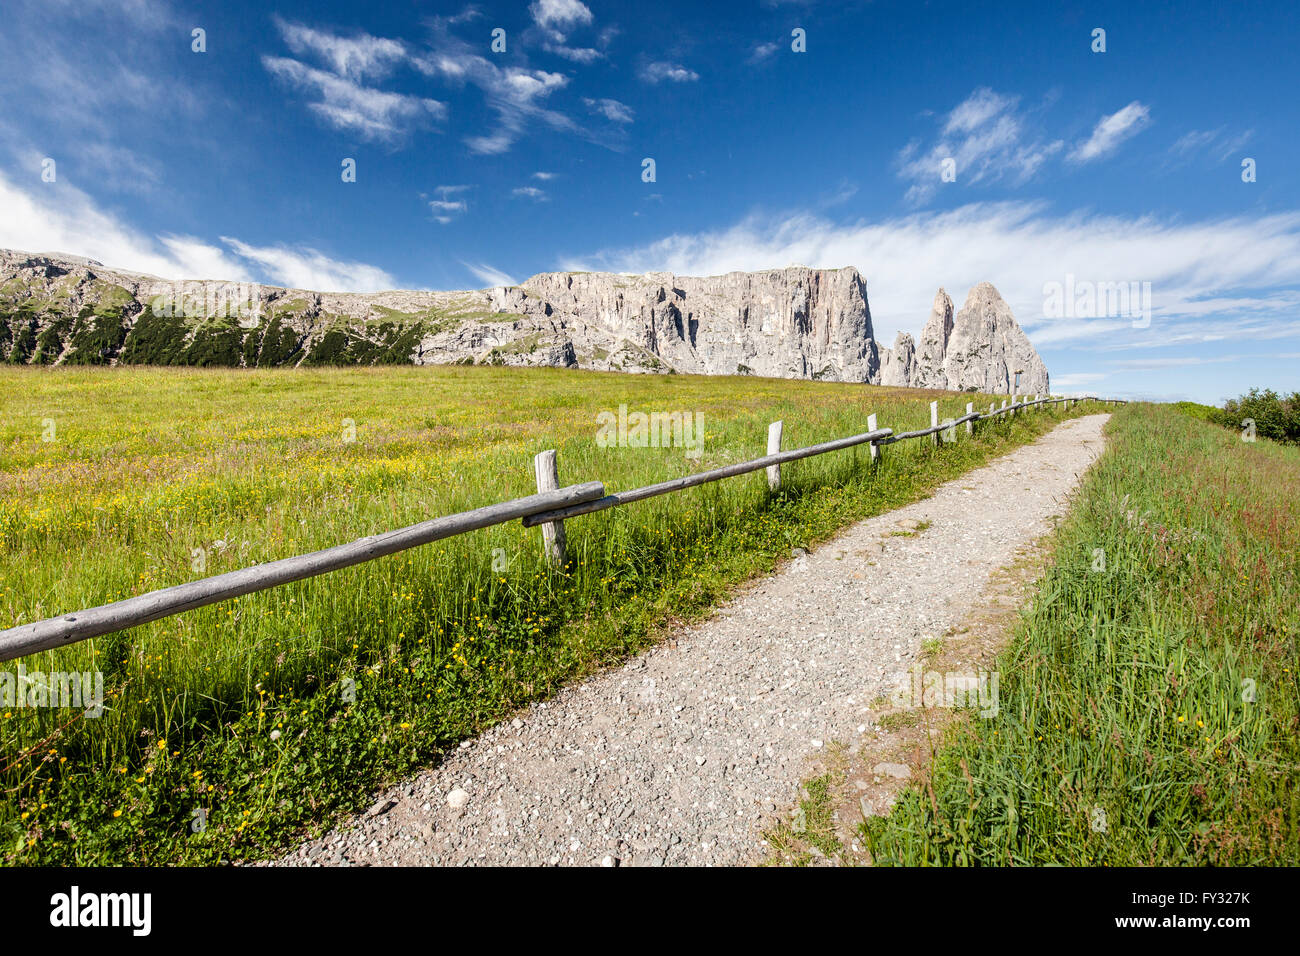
(57, 311)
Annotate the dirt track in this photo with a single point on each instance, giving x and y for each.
(684, 754)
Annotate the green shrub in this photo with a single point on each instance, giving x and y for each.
(1275, 416)
(97, 337)
(49, 344)
(281, 345)
(216, 343)
(330, 349)
(155, 340)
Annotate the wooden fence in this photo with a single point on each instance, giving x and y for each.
(549, 508)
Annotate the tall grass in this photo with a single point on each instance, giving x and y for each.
(232, 727)
(1148, 710)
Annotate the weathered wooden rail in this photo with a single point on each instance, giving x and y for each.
(549, 508)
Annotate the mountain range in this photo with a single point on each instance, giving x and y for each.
(794, 322)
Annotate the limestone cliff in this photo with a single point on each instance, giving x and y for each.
(981, 349)
(794, 322)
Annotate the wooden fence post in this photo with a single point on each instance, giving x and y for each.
(934, 421)
(548, 479)
(970, 425)
(871, 427)
(774, 447)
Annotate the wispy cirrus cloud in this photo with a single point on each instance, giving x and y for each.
(347, 105)
(1112, 130)
(530, 192)
(986, 136)
(344, 91)
(1218, 144)
(1236, 277)
(74, 77)
(356, 57)
(488, 275)
(93, 105)
(1077, 379)
(612, 110)
(340, 94)
(515, 94)
(306, 268)
(62, 218)
(451, 203)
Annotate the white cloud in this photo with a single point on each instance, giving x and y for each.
(1234, 277)
(612, 110)
(488, 275)
(196, 259)
(1112, 130)
(1194, 141)
(73, 77)
(762, 51)
(306, 268)
(354, 57)
(555, 19)
(118, 168)
(514, 93)
(660, 71)
(584, 54)
(447, 207)
(544, 177)
(76, 76)
(530, 192)
(59, 218)
(978, 109)
(1077, 379)
(1214, 142)
(559, 14)
(347, 105)
(445, 211)
(1182, 361)
(986, 138)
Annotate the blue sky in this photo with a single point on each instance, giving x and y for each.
(476, 167)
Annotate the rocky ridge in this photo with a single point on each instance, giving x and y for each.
(794, 322)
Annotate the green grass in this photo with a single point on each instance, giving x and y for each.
(1148, 712)
(273, 712)
(1205, 413)
(810, 832)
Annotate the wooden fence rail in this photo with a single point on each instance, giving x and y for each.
(550, 507)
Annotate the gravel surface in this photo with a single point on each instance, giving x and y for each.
(684, 754)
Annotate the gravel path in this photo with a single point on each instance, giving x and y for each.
(685, 753)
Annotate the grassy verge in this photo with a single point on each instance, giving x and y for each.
(233, 729)
(809, 836)
(1148, 704)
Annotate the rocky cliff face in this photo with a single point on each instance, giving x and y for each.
(790, 323)
(898, 365)
(929, 372)
(981, 349)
